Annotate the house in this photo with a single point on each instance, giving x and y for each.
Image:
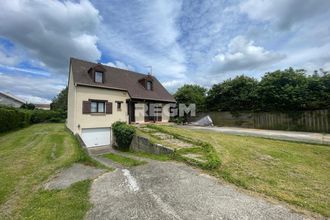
(8, 99)
(42, 106)
(100, 95)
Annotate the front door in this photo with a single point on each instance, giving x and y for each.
(131, 111)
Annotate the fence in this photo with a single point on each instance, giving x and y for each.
(315, 121)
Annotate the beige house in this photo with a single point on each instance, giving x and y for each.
(100, 95)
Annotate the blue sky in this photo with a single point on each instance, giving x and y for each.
(200, 42)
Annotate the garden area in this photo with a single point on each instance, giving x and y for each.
(29, 157)
(293, 172)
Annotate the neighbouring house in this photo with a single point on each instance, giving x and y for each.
(100, 95)
(42, 106)
(8, 99)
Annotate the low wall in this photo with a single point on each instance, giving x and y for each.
(142, 144)
(313, 121)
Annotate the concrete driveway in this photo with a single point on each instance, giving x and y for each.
(307, 137)
(170, 190)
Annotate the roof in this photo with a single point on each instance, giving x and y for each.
(13, 97)
(119, 79)
(42, 105)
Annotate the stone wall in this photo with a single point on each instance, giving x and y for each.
(142, 144)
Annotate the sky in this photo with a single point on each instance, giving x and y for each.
(185, 41)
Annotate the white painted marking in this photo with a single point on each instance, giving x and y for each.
(132, 184)
(165, 207)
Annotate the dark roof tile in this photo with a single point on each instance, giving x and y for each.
(120, 79)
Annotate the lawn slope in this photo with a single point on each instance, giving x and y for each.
(28, 158)
(294, 172)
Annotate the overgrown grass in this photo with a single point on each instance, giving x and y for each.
(28, 158)
(297, 173)
(128, 162)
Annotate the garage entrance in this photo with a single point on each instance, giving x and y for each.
(93, 137)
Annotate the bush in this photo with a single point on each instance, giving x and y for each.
(11, 118)
(124, 134)
(178, 120)
(40, 115)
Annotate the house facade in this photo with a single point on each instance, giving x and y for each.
(8, 99)
(100, 95)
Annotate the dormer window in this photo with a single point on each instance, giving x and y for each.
(98, 77)
(149, 85)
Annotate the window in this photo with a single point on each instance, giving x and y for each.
(99, 77)
(118, 105)
(97, 107)
(149, 85)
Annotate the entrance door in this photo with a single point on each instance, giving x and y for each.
(131, 111)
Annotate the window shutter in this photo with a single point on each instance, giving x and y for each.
(108, 107)
(86, 108)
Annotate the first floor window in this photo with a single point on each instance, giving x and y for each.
(98, 77)
(97, 107)
(149, 85)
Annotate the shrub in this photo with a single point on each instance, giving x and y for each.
(11, 118)
(124, 134)
(40, 115)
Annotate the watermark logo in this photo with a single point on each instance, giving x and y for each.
(167, 110)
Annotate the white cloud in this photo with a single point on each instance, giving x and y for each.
(34, 99)
(52, 31)
(121, 65)
(22, 84)
(243, 55)
(6, 59)
(144, 33)
(26, 70)
(284, 13)
(172, 85)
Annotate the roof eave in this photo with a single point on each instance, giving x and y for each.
(100, 86)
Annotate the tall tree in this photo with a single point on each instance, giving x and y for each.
(283, 90)
(189, 94)
(60, 102)
(233, 95)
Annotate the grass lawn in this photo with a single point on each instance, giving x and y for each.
(294, 172)
(28, 158)
(160, 157)
(129, 162)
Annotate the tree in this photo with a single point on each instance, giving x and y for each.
(60, 102)
(283, 90)
(189, 94)
(28, 106)
(318, 91)
(236, 94)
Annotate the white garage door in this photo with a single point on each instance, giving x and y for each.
(93, 137)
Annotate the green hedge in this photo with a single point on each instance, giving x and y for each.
(123, 133)
(11, 119)
(39, 115)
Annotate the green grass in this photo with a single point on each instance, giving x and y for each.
(160, 157)
(128, 162)
(210, 158)
(297, 173)
(59, 204)
(28, 158)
